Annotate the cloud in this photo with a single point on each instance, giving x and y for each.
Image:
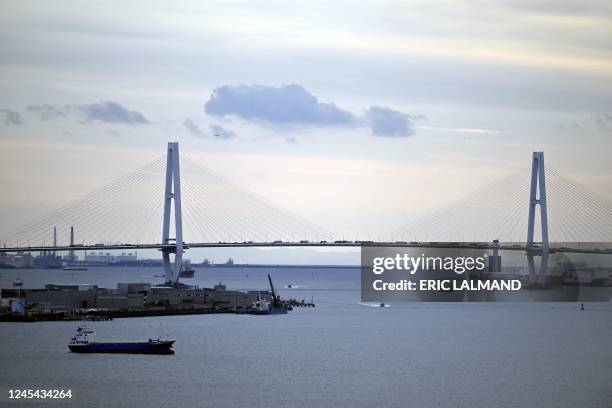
(193, 128)
(288, 104)
(571, 125)
(48, 112)
(387, 122)
(603, 121)
(294, 105)
(104, 111)
(112, 112)
(460, 130)
(219, 132)
(11, 117)
(216, 131)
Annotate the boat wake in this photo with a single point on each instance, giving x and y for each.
(374, 304)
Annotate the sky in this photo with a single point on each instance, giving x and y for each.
(359, 116)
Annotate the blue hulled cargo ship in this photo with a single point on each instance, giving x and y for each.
(82, 342)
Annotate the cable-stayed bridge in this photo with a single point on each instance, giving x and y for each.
(198, 208)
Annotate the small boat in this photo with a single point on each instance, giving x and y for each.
(18, 283)
(83, 342)
(159, 275)
(74, 268)
(187, 272)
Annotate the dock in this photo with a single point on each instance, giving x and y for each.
(300, 303)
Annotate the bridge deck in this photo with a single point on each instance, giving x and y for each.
(170, 247)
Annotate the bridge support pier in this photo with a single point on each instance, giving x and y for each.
(538, 185)
(71, 252)
(172, 193)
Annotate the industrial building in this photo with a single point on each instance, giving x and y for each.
(135, 299)
(108, 258)
(17, 260)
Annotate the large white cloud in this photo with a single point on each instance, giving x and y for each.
(292, 104)
(288, 104)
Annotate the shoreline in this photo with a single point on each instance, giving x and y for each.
(212, 266)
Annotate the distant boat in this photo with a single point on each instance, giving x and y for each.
(18, 283)
(159, 275)
(74, 268)
(82, 342)
(369, 304)
(187, 272)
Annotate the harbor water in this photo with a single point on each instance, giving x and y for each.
(341, 353)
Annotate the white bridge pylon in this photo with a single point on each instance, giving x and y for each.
(172, 193)
(538, 185)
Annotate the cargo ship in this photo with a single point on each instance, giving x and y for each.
(74, 268)
(82, 342)
(187, 272)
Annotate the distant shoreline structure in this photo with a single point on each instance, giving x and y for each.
(213, 266)
(277, 266)
(147, 263)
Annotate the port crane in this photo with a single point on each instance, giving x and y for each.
(275, 298)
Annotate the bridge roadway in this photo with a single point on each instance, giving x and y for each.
(401, 244)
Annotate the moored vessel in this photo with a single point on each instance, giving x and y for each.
(265, 307)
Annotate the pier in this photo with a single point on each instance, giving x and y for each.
(300, 303)
(89, 302)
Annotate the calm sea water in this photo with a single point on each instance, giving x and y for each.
(341, 353)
